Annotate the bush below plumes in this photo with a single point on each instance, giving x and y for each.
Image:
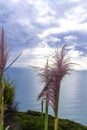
(32, 120)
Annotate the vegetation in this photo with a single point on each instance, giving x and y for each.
(44, 75)
(3, 61)
(6, 94)
(51, 76)
(10, 106)
(32, 120)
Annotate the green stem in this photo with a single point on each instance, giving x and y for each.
(56, 111)
(2, 114)
(2, 108)
(42, 113)
(46, 114)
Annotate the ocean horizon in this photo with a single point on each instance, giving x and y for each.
(73, 93)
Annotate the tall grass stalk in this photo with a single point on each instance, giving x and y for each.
(2, 106)
(62, 66)
(3, 61)
(44, 76)
(46, 114)
(52, 76)
(57, 109)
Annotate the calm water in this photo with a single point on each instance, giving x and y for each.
(73, 93)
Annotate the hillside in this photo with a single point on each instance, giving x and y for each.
(32, 120)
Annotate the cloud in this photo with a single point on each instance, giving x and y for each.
(38, 56)
(34, 27)
(77, 57)
(71, 40)
(70, 37)
(15, 1)
(34, 56)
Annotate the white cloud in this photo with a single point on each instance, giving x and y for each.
(35, 56)
(41, 6)
(73, 20)
(43, 19)
(38, 56)
(65, 26)
(70, 37)
(49, 31)
(80, 61)
(54, 39)
(15, 1)
(76, 0)
(68, 25)
(77, 14)
(23, 22)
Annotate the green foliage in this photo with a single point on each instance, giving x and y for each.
(10, 107)
(32, 120)
(9, 93)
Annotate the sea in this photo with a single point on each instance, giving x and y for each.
(73, 93)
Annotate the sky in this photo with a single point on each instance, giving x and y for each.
(36, 27)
